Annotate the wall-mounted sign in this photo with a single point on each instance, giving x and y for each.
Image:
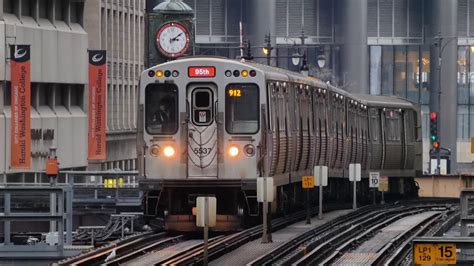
(20, 107)
(97, 104)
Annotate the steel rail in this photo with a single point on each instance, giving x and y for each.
(368, 233)
(399, 246)
(282, 250)
(320, 252)
(159, 245)
(98, 255)
(401, 256)
(231, 242)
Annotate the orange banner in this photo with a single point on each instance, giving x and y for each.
(97, 105)
(20, 107)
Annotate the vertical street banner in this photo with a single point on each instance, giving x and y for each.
(20, 107)
(97, 105)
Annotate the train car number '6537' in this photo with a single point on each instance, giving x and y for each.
(202, 151)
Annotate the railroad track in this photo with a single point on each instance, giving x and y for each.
(120, 247)
(327, 243)
(218, 246)
(321, 244)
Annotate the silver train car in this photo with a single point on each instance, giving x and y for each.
(212, 126)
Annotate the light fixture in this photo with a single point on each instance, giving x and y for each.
(233, 151)
(265, 50)
(321, 60)
(295, 59)
(249, 150)
(169, 151)
(155, 150)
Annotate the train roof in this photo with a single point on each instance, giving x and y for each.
(275, 73)
(384, 101)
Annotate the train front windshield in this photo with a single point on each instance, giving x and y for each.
(161, 101)
(241, 101)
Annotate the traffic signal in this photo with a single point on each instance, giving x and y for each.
(434, 132)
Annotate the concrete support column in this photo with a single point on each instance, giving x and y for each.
(444, 99)
(261, 21)
(354, 54)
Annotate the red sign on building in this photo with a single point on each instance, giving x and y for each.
(20, 107)
(97, 105)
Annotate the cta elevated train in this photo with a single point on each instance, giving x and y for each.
(212, 126)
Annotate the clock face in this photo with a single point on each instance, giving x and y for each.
(172, 40)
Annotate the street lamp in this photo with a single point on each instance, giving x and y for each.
(295, 59)
(321, 60)
(437, 106)
(267, 49)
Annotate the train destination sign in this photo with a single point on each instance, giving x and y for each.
(201, 72)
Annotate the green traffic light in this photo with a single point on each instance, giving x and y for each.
(433, 137)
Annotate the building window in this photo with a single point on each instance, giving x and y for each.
(400, 70)
(462, 79)
(413, 73)
(465, 84)
(424, 77)
(375, 69)
(400, 67)
(8, 6)
(387, 70)
(463, 122)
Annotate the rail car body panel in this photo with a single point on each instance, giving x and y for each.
(230, 122)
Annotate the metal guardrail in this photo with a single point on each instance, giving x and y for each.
(95, 187)
(56, 215)
(466, 217)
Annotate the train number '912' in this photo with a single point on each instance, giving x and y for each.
(202, 151)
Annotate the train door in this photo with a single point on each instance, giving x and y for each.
(202, 130)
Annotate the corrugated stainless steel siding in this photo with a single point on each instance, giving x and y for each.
(202, 17)
(218, 17)
(372, 18)
(400, 18)
(462, 17)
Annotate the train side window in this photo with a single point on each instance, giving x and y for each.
(241, 108)
(161, 109)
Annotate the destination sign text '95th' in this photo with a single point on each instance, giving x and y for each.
(201, 72)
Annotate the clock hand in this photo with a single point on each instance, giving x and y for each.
(176, 37)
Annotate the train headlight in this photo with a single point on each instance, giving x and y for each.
(249, 150)
(169, 151)
(233, 151)
(155, 150)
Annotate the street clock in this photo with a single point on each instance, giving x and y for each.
(172, 40)
(169, 32)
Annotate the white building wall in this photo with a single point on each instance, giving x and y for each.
(58, 77)
(118, 27)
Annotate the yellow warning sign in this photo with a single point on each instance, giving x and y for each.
(307, 181)
(472, 144)
(383, 184)
(434, 254)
